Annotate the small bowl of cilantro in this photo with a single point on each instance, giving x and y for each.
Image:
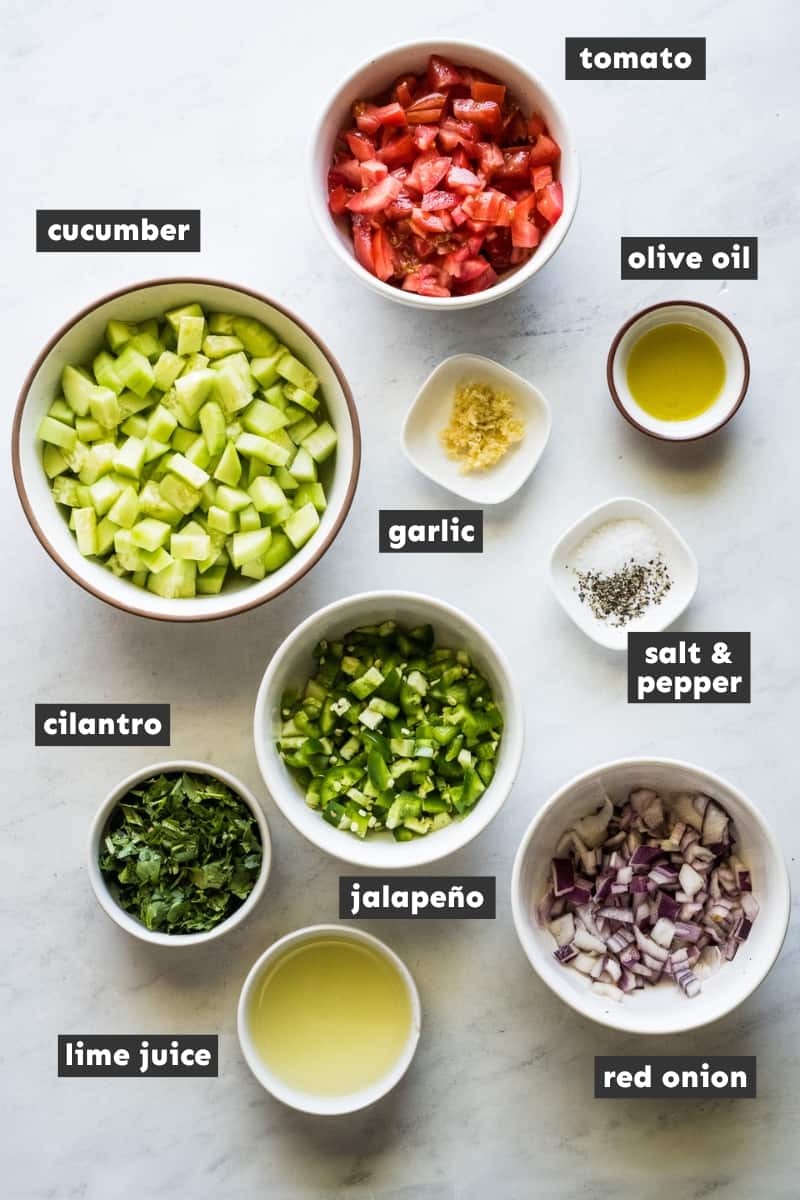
(179, 853)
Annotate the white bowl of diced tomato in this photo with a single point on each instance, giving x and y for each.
(443, 174)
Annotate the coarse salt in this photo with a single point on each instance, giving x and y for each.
(614, 544)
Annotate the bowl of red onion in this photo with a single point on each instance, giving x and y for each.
(650, 895)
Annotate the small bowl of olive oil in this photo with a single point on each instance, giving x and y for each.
(678, 370)
(329, 1019)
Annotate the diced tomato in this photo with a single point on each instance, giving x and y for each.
(382, 255)
(460, 179)
(540, 177)
(550, 202)
(391, 114)
(401, 207)
(428, 170)
(361, 146)
(362, 242)
(337, 199)
(442, 74)
(366, 117)
(480, 283)
(404, 88)
(457, 215)
(486, 114)
(399, 149)
(425, 223)
(498, 249)
(373, 172)
(457, 133)
(437, 199)
(515, 127)
(347, 171)
(425, 136)
(429, 287)
(472, 268)
(516, 163)
(485, 206)
(523, 231)
(544, 151)
(375, 199)
(506, 214)
(536, 126)
(490, 158)
(426, 109)
(480, 90)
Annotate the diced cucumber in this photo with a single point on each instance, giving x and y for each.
(56, 433)
(212, 423)
(301, 429)
(262, 418)
(156, 560)
(179, 494)
(161, 424)
(130, 403)
(187, 471)
(231, 389)
(191, 542)
(105, 407)
(147, 343)
(250, 545)
(106, 530)
(303, 467)
(150, 533)
(249, 519)
(258, 341)
(211, 581)
(285, 479)
(218, 345)
(266, 494)
(301, 525)
(66, 491)
(279, 552)
(104, 494)
(222, 520)
(177, 580)
(167, 370)
(134, 426)
(89, 430)
(299, 396)
(54, 461)
(61, 411)
(321, 443)
(229, 468)
(313, 493)
(153, 504)
(86, 531)
(105, 372)
(188, 310)
(129, 459)
(254, 569)
(265, 449)
(220, 322)
(125, 509)
(198, 454)
(232, 499)
(135, 371)
(193, 390)
(292, 369)
(265, 370)
(190, 334)
(118, 334)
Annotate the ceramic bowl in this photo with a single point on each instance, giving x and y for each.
(306, 1101)
(680, 560)
(662, 1008)
(377, 74)
(104, 891)
(77, 342)
(430, 413)
(732, 348)
(291, 666)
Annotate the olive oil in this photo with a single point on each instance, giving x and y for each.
(331, 1016)
(675, 372)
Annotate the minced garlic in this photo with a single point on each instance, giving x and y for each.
(482, 427)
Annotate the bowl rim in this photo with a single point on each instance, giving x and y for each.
(417, 404)
(326, 1106)
(101, 890)
(28, 508)
(475, 822)
(612, 354)
(520, 910)
(595, 511)
(506, 284)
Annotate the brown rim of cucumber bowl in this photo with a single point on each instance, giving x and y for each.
(189, 280)
(612, 354)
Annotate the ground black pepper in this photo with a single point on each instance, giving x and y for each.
(627, 593)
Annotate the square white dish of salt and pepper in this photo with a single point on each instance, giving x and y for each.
(623, 568)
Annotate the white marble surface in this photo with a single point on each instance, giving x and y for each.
(199, 105)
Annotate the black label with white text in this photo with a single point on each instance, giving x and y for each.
(368, 897)
(635, 58)
(689, 258)
(430, 531)
(681, 668)
(684, 1077)
(102, 725)
(128, 1055)
(67, 229)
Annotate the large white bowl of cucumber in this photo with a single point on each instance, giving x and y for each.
(186, 449)
(388, 729)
